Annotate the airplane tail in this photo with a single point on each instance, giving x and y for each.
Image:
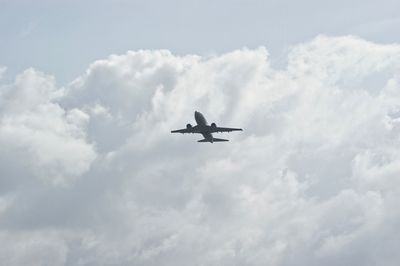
(214, 140)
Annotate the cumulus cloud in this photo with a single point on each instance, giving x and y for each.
(36, 133)
(313, 179)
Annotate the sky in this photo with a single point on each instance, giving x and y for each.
(63, 38)
(90, 174)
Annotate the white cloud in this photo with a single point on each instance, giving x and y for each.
(311, 180)
(37, 134)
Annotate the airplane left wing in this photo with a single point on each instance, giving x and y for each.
(183, 131)
(224, 129)
(189, 129)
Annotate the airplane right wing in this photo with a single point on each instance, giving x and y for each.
(224, 129)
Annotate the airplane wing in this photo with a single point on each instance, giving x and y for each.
(224, 129)
(185, 130)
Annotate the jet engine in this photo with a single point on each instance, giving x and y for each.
(189, 126)
(213, 125)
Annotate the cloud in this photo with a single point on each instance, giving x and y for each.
(312, 179)
(33, 248)
(39, 135)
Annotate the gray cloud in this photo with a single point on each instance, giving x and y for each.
(91, 175)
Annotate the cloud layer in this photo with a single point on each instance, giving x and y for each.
(90, 174)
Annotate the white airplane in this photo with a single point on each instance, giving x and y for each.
(203, 128)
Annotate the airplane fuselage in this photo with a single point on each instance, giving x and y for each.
(203, 126)
(204, 129)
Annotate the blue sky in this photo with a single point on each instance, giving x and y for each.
(63, 37)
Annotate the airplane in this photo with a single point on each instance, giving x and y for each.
(206, 130)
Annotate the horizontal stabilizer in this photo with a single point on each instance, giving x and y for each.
(214, 140)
